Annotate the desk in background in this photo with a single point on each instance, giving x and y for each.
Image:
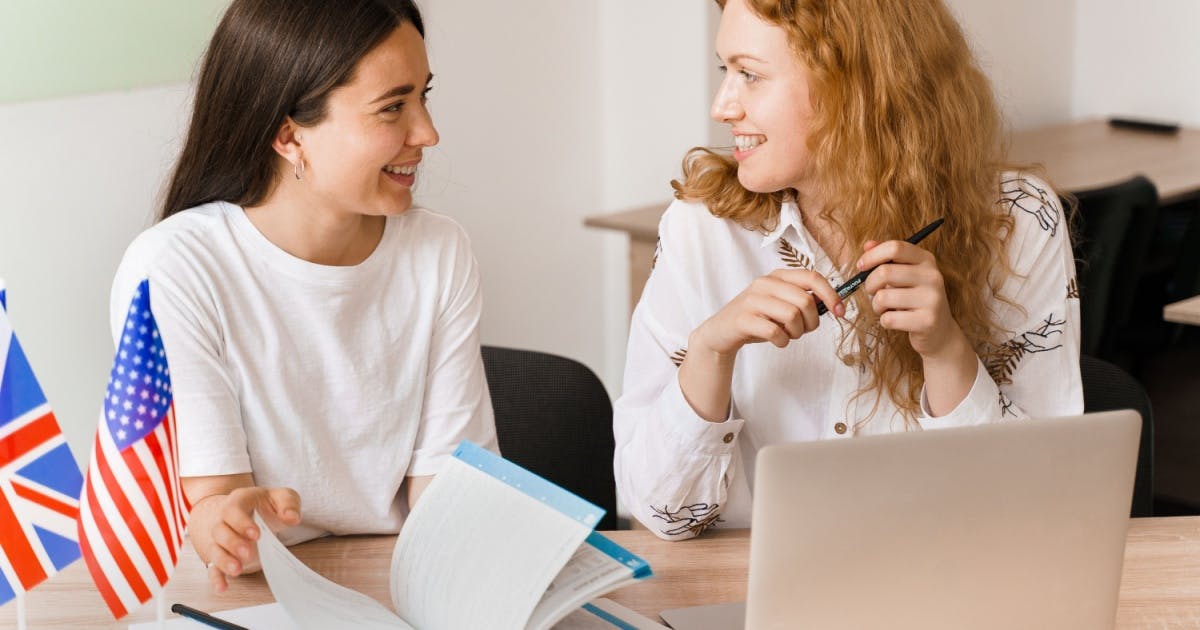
(1183, 312)
(1077, 156)
(1160, 586)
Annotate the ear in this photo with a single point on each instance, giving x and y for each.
(287, 141)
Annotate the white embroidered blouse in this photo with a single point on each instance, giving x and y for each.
(679, 474)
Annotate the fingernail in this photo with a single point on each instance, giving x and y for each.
(244, 551)
(251, 533)
(231, 568)
(859, 264)
(839, 310)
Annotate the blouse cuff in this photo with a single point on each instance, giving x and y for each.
(691, 432)
(978, 407)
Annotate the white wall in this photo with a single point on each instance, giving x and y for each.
(79, 176)
(1027, 48)
(550, 112)
(1138, 59)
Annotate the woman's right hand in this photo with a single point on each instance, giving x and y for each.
(233, 533)
(778, 307)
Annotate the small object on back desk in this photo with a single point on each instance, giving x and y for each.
(1137, 124)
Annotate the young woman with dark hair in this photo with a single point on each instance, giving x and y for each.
(322, 334)
(855, 123)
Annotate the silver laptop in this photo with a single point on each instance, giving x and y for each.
(1012, 525)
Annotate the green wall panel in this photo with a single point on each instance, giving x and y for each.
(52, 48)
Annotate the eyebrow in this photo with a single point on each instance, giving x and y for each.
(401, 90)
(738, 57)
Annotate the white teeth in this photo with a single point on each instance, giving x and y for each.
(745, 143)
(401, 170)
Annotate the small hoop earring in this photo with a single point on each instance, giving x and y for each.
(299, 168)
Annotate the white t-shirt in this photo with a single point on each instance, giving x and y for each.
(679, 474)
(335, 381)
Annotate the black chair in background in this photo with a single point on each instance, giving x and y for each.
(554, 417)
(1116, 225)
(1107, 387)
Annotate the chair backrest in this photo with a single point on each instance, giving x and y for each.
(1117, 223)
(554, 417)
(1107, 387)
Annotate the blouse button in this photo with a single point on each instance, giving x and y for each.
(840, 428)
(728, 438)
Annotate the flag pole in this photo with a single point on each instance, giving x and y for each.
(20, 610)
(161, 609)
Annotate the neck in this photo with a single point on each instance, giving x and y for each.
(825, 233)
(301, 226)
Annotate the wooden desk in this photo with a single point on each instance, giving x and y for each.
(1160, 587)
(1183, 312)
(1077, 156)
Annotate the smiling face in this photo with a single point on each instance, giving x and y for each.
(764, 98)
(362, 157)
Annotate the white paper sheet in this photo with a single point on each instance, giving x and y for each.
(478, 553)
(264, 617)
(584, 619)
(313, 602)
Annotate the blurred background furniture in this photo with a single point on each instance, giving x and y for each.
(554, 417)
(1115, 224)
(1107, 387)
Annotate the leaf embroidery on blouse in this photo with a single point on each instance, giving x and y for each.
(1006, 406)
(1072, 289)
(1016, 195)
(791, 257)
(693, 518)
(678, 356)
(1001, 361)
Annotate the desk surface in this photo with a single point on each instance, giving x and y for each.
(1077, 156)
(1183, 312)
(1160, 586)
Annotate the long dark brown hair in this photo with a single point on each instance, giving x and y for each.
(268, 60)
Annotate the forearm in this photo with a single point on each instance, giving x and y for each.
(949, 376)
(705, 378)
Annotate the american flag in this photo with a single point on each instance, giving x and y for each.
(132, 511)
(39, 479)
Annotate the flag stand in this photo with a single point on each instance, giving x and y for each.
(20, 610)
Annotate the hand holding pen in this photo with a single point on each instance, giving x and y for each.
(851, 285)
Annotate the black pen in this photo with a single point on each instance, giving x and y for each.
(853, 283)
(204, 618)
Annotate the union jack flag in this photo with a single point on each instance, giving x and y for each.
(39, 479)
(132, 510)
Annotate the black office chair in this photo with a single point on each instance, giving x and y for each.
(554, 418)
(1116, 225)
(1107, 387)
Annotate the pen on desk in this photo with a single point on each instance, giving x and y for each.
(204, 618)
(853, 283)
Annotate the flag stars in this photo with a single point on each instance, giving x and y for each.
(121, 434)
(145, 394)
(124, 419)
(139, 425)
(142, 409)
(128, 405)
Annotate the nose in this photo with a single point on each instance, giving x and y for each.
(423, 133)
(726, 107)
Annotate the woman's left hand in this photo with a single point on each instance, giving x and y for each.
(908, 293)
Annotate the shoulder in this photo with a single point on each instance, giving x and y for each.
(194, 229)
(692, 221)
(1039, 222)
(425, 226)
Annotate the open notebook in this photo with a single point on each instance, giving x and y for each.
(489, 545)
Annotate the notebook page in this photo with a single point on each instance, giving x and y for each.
(597, 567)
(313, 602)
(483, 543)
(605, 614)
